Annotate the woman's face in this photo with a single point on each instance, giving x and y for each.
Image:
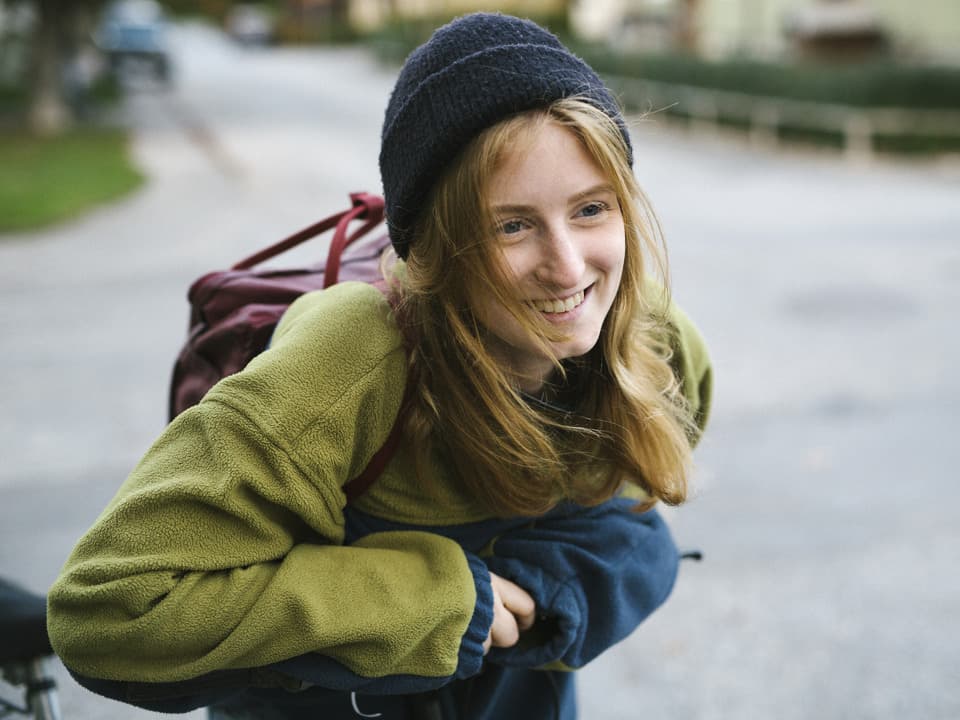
(561, 233)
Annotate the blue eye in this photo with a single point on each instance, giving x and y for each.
(511, 227)
(592, 209)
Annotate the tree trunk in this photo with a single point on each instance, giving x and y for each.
(49, 114)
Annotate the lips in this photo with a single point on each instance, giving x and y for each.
(558, 306)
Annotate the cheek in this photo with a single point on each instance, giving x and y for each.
(490, 312)
(519, 262)
(609, 255)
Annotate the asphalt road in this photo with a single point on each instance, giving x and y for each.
(825, 497)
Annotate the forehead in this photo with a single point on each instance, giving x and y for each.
(544, 162)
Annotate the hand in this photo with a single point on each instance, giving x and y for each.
(513, 610)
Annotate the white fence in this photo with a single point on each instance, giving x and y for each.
(765, 115)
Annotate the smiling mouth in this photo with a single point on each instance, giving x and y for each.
(553, 307)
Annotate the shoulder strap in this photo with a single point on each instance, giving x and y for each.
(362, 482)
(369, 208)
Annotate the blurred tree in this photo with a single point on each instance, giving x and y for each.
(61, 27)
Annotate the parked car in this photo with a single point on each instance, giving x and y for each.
(132, 34)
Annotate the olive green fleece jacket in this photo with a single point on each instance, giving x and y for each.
(223, 549)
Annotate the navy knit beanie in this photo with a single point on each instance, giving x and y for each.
(472, 73)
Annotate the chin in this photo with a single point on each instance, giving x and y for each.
(575, 349)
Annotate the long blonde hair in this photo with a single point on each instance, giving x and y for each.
(624, 422)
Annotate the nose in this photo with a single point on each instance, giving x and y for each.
(561, 264)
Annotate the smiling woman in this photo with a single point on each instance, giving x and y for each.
(49, 180)
(547, 394)
(540, 221)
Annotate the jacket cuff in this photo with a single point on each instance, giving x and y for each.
(471, 647)
(560, 625)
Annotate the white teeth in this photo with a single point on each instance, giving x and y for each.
(558, 306)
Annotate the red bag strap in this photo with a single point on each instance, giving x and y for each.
(371, 209)
(362, 482)
(365, 207)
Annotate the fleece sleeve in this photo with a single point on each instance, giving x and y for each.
(691, 364)
(224, 548)
(594, 573)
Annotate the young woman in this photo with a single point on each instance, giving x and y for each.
(555, 398)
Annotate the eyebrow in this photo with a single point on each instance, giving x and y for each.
(594, 190)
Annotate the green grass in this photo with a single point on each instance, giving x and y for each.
(45, 181)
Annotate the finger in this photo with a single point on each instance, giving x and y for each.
(517, 600)
(503, 631)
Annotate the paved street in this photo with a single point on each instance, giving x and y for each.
(825, 498)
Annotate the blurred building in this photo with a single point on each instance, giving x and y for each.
(924, 30)
(371, 14)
